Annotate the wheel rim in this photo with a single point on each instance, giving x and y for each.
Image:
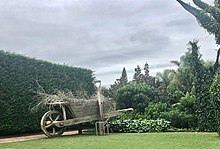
(47, 125)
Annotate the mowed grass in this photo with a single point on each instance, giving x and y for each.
(124, 141)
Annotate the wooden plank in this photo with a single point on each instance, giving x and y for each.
(83, 108)
(75, 121)
(116, 113)
(90, 118)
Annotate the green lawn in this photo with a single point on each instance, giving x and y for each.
(124, 141)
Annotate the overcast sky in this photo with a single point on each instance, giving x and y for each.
(102, 35)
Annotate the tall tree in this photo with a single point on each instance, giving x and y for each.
(202, 82)
(124, 78)
(207, 16)
(138, 77)
(117, 85)
(146, 70)
(147, 78)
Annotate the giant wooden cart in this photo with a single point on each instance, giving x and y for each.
(62, 114)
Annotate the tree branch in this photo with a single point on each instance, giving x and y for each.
(216, 65)
(206, 21)
(209, 9)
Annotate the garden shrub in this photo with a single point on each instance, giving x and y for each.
(154, 110)
(178, 119)
(135, 95)
(181, 114)
(139, 126)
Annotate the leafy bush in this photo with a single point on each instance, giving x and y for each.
(135, 95)
(181, 114)
(154, 110)
(18, 75)
(178, 119)
(139, 126)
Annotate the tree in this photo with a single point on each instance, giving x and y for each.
(166, 77)
(202, 82)
(170, 85)
(117, 85)
(183, 76)
(138, 77)
(135, 95)
(147, 78)
(207, 16)
(191, 77)
(124, 78)
(146, 70)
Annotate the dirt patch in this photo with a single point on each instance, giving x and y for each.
(8, 139)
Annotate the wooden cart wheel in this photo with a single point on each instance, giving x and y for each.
(47, 125)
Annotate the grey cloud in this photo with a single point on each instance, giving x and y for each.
(98, 34)
(142, 45)
(178, 22)
(165, 65)
(131, 70)
(107, 73)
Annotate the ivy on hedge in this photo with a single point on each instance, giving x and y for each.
(18, 75)
(202, 83)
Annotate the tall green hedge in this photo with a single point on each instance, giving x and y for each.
(18, 76)
(215, 95)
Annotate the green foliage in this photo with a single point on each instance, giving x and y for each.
(124, 78)
(202, 83)
(179, 119)
(135, 95)
(215, 95)
(154, 110)
(105, 92)
(117, 85)
(170, 86)
(166, 77)
(139, 126)
(144, 78)
(207, 16)
(18, 86)
(181, 114)
(180, 96)
(138, 77)
(187, 103)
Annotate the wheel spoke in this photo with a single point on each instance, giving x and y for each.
(50, 118)
(54, 130)
(57, 117)
(49, 125)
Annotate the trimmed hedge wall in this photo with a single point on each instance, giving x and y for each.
(215, 96)
(18, 75)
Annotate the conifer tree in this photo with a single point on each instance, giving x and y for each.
(147, 78)
(146, 70)
(124, 78)
(137, 75)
